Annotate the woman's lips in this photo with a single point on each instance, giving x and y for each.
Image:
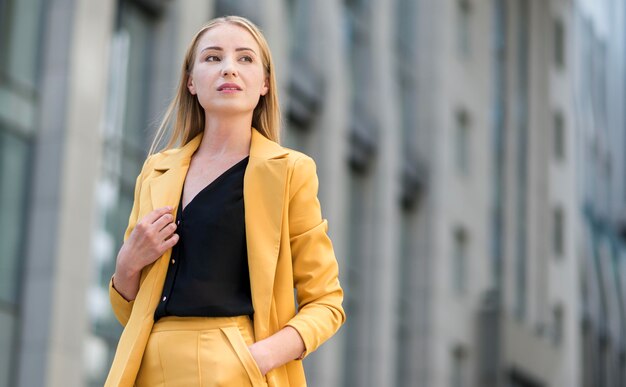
(229, 88)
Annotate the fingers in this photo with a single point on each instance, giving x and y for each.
(163, 221)
(170, 242)
(167, 230)
(152, 216)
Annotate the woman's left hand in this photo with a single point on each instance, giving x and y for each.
(262, 356)
(278, 349)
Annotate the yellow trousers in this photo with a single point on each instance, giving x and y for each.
(200, 351)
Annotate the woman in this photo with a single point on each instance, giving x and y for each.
(204, 289)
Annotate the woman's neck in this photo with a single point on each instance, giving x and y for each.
(225, 137)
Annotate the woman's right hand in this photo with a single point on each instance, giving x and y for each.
(150, 238)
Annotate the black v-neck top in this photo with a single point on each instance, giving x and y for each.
(208, 273)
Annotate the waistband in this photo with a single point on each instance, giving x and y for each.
(175, 323)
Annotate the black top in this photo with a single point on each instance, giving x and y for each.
(208, 273)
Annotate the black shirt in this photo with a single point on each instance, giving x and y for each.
(208, 273)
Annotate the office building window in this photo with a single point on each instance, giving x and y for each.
(522, 37)
(125, 141)
(460, 261)
(557, 325)
(558, 232)
(559, 136)
(364, 128)
(458, 376)
(622, 368)
(463, 26)
(559, 43)
(20, 37)
(14, 170)
(462, 152)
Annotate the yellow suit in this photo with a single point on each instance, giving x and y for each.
(288, 247)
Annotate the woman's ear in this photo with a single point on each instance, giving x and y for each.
(266, 87)
(190, 85)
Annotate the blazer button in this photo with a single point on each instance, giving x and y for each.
(173, 261)
(164, 298)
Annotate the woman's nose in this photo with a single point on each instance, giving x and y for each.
(229, 69)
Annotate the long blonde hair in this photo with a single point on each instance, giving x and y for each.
(189, 114)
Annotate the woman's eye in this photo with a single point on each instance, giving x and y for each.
(246, 58)
(212, 58)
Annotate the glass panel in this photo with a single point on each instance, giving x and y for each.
(559, 43)
(559, 136)
(20, 27)
(7, 326)
(355, 282)
(464, 10)
(126, 137)
(558, 325)
(521, 128)
(23, 41)
(558, 233)
(462, 143)
(460, 261)
(139, 29)
(13, 173)
(457, 377)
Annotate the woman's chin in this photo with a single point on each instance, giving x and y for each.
(228, 109)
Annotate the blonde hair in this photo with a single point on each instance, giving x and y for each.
(189, 114)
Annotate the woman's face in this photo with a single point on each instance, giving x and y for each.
(228, 74)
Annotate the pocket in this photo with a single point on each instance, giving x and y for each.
(241, 349)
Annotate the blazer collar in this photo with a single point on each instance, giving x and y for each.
(260, 147)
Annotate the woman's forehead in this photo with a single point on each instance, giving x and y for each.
(227, 36)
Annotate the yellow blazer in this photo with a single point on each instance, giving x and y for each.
(288, 247)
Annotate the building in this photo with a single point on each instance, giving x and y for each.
(471, 163)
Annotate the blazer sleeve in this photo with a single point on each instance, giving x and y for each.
(315, 268)
(121, 307)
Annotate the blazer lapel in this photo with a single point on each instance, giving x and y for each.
(264, 199)
(165, 190)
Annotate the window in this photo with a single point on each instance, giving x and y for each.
(20, 36)
(518, 378)
(520, 116)
(125, 140)
(558, 232)
(459, 365)
(464, 37)
(364, 130)
(559, 137)
(462, 143)
(559, 44)
(459, 261)
(557, 329)
(14, 156)
(622, 368)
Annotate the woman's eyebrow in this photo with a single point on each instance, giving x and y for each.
(218, 48)
(245, 49)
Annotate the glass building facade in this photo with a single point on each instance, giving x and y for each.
(20, 30)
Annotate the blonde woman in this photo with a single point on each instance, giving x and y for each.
(222, 229)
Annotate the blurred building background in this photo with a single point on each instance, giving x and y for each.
(472, 166)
